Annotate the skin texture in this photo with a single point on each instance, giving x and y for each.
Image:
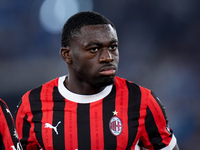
(92, 59)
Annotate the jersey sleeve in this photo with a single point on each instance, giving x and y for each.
(24, 125)
(8, 135)
(157, 133)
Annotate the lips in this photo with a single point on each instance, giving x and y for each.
(108, 70)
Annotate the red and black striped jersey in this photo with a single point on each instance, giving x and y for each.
(8, 136)
(122, 116)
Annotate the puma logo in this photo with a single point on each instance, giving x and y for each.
(47, 125)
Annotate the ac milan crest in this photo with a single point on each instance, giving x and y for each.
(115, 126)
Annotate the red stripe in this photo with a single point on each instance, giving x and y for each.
(121, 106)
(71, 139)
(143, 133)
(96, 125)
(47, 106)
(7, 139)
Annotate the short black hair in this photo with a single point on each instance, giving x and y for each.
(79, 20)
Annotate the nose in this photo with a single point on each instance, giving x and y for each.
(106, 56)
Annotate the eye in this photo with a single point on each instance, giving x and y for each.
(113, 47)
(94, 49)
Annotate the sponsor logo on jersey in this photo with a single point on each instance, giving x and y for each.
(48, 125)
(115, 126)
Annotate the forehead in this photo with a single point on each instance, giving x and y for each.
(97, 33)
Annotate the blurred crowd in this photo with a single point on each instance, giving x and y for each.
(159, 45)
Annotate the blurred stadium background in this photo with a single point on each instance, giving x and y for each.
(159, 49)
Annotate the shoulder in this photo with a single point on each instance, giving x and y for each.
(4, 111)
(131, 86)
(145, 95)
(35, 91)
(51, 83)
(123, 81)
(34, 95)
(3, 104)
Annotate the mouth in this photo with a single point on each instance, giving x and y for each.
(108, 70)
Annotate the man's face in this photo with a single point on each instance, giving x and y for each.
(94, 54)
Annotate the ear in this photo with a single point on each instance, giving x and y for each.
(65, 53)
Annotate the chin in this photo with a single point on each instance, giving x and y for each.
(105, 81)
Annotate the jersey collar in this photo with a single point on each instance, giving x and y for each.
(78, 98)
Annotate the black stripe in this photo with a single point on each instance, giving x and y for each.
(58, 115)
(133, 112)
(25, 131)
(83, 126)
(36, 106)
(2, 147)
(110, 141)
(152, 130)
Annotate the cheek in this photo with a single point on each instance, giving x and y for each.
(85, 62)
(83, 66)
(116, 59)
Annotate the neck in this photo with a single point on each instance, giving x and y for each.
(82, 88)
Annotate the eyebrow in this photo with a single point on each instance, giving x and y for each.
(100, 44)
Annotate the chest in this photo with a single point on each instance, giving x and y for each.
(99, 125)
